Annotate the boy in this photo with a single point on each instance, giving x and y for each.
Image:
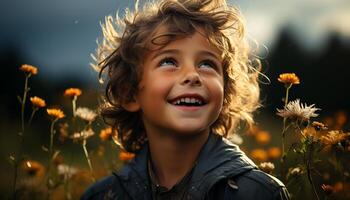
(179, 83)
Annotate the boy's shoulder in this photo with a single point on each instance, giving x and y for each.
(253, 184)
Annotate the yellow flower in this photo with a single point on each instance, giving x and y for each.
(259, 155)
(289, 79)
(106, 134)
(38, 102)
(72, 92)
(55, 113)
(263, 137)
(274, 152)
(126, 156)
(29, 69)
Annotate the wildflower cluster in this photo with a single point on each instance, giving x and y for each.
(45, 180)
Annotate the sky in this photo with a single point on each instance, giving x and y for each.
(60, 35)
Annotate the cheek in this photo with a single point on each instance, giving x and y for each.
(153, 92)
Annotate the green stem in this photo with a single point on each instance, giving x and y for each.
(308, 169)
(52, 133)
(88, 160)
(23, 102)
(32, 116)
(284, 134)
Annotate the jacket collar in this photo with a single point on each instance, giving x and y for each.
(218, 159)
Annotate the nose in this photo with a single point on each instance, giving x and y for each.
(191, 77)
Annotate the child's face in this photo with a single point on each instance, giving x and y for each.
(181, 89)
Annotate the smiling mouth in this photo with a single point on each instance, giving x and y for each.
(188, 101)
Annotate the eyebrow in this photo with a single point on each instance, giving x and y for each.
(177, 51)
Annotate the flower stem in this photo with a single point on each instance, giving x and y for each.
(32, 115)
(88, 160)
(284, 134)
(52, 133)
(308, 169)
(74, 104)
(19, 155)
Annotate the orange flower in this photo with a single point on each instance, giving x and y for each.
(33, 168)
(263, 137)
(289, 79)
(38, 102)
(106, 134)
(274, 152)
(29, 69)
(55, 113)
(72, 92)
(259, 155)
(319, 126)
(126, 156)
(334, 137)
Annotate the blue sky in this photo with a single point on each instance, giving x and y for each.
(59, 35)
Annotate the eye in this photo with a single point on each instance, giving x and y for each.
(167, 62)
(207, 64)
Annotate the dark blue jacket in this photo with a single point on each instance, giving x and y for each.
(222, 171)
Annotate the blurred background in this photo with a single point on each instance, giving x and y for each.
(310, 38)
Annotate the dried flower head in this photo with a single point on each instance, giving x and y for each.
(107, 134)
(55, 113)
(267, 167)
(126, 156)
(295, 171)
(289, 79)
(72, 92)
(263, 137)
(328, 189)
(274, 152)
(83, 135)
(259, 155)
(319, 126)
(33, 168)
(66, 171)
(37, 102)
(298, 111)
(86, 114)
(29, 69)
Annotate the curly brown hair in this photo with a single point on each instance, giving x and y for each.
(126, 40)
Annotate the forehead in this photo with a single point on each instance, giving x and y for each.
(163, 38)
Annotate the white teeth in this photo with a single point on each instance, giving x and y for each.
(187, 100)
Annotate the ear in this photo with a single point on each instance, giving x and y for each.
(132, 106)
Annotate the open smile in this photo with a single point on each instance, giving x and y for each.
(188, 102)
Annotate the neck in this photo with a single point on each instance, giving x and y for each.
(174, 157)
